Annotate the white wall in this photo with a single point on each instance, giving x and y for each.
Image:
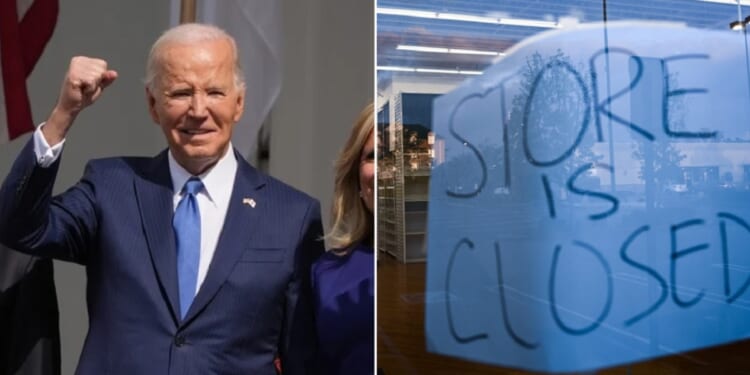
(327, 79)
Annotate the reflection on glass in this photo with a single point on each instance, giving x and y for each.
(580, 204)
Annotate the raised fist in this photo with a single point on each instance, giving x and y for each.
(83, 84)
(86, 79)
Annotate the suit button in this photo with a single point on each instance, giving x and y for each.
(179, 340)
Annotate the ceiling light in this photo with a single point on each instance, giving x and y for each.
(403, 47)
(530, 23)
(395, 68)
(469, 18)
(427, 70)
(438, 71)
(407, 12)
(455, 51)
(729, 2)
(474, 52)
(466, 18)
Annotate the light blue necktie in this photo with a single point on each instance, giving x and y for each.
(187, 231)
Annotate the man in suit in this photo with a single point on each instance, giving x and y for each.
(29, 332)
(196, 262)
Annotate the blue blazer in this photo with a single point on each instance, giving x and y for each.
(254, 304)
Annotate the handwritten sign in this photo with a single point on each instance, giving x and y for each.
(593, 205)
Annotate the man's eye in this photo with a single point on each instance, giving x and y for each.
(179, 94)
(216, 93)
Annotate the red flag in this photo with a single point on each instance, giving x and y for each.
(24, 32)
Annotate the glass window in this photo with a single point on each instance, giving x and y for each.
(532, 146)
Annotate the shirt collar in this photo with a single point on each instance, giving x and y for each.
(214, 179)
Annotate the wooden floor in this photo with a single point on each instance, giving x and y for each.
(401, 343)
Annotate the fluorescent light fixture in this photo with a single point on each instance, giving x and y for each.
(474, 52)
(403, 47)
(729, 2)
(438, 71)
(407, 13)
(471, 18)
(427, 70)
(395, 68)
(455, 51)
(466, 18)
(529, 23)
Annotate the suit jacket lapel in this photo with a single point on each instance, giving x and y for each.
(234, 237)
(154, 194)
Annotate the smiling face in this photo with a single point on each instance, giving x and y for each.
(195, 100)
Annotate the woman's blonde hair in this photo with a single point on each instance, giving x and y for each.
(352, 222)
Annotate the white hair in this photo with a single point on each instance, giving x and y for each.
(190, 33)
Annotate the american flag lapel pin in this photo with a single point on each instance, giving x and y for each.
(249, 201)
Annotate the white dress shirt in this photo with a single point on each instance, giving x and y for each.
(45, 155)
(213, 200)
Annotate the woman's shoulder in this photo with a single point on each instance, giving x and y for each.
(337, 258)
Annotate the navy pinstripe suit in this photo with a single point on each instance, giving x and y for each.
(254, 303)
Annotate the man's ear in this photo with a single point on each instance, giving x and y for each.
(240, 106)
(152, 105)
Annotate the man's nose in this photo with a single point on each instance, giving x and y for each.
(198, 107)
